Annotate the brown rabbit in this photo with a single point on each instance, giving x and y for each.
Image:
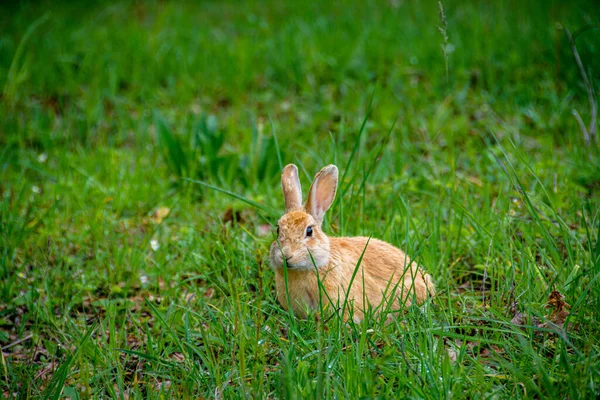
(384, 273)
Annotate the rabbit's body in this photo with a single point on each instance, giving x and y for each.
(384, 272)
(312, 260)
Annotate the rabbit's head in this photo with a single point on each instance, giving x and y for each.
(300, 243)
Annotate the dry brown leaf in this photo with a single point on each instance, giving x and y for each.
(474, 180)
(232, 216)
(559, 311)
(519, 318)
(134, 342)
(188, 297)
(487, 352)
(559, 308)
(160, 214)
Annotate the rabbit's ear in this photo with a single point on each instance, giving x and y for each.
(290, 184)
(322, 192)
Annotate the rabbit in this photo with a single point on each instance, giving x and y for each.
(320, 268)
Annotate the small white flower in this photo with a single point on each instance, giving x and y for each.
(43, 157)
(36, 189)
(285, 105)
(144, 279)
(154, 244)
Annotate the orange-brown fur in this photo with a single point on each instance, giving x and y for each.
(381, 269)
(386, 278)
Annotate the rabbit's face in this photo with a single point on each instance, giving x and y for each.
(300, 237)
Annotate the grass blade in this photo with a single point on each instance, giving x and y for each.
(229, 193)
(11, 83)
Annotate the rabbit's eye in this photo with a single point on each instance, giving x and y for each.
(309, 231)
(277, 230)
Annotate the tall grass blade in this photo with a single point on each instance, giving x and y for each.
(12, 81)
(234, 195)
(172, 150)
(56, 386)
(357, 142)
(276, 143)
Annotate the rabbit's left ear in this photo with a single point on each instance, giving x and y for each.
(322, 192)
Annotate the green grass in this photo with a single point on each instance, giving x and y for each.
(467, 156)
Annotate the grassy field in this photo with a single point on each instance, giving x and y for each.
(141, 145)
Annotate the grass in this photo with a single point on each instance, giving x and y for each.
(141, 145)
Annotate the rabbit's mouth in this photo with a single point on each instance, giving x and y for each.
(299, 266)
(290, 263)
(305, 262)
(299, 259)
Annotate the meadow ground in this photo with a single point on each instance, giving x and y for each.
(122, 276)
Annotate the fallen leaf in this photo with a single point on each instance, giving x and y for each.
(560, 308)
(232, 216)
(487, 352)
(500, 376)
(519, 318)
(474, 180)
(133, 342)
(160, 214)
(188, 297)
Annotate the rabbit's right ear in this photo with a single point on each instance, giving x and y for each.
(322, 192)
(290, 184)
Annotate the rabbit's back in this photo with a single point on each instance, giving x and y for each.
(384, 270)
